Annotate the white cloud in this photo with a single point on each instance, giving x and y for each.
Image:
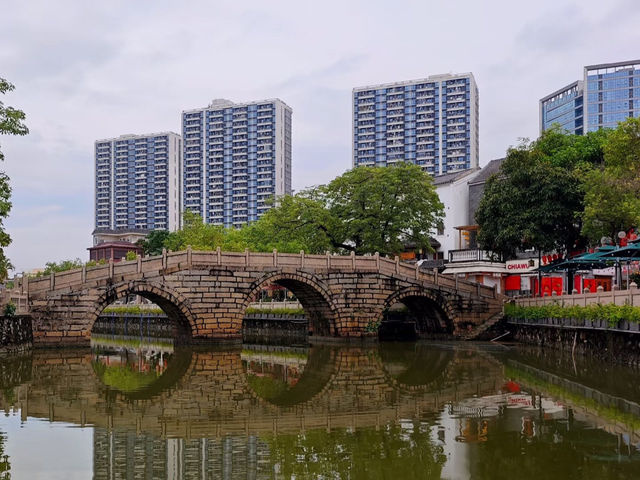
(90, 70)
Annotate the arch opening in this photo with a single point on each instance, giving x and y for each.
(411, 315)
(141, 311)
(310, 312)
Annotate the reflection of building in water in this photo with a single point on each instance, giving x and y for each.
(123, 455)
(286, 365)
(473, 420)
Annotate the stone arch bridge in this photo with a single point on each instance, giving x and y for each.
(208, 293)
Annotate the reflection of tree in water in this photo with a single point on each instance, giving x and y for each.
(393, 451)
(5, 466)
(139, 376)
(420, 365)
(284, 382)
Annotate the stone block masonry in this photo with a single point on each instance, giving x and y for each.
(208, 293)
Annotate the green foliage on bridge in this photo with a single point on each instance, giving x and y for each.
(365, 210)
(609, 312)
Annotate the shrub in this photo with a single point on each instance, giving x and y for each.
(609, 312)
(10, 310)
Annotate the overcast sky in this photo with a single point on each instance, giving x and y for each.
(90, 70)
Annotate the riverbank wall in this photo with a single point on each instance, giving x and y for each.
(619, 345)
(273, 328)
(15, 334)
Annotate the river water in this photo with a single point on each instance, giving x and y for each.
(146, 409)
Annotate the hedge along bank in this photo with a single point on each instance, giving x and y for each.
(611, 313)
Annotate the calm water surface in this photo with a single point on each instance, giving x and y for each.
(388, 411)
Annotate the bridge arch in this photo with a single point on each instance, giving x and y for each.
(432, 312)
(173, 303)
(311, 292)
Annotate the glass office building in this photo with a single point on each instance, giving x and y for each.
(236, 158)
(612, 93)
(609, 93)
(432, 122)
(137, 182)
(564, 107)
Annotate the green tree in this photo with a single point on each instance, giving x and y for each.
(11, 123)
(365, 210)
(62, 266)
(194, 232)
(608, 206)
(612, 192)
(155, 242)
(536, 199)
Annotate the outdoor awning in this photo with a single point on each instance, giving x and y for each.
(603, 258)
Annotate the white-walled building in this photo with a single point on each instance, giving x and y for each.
(453, 190)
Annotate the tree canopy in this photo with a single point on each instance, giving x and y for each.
(536, 200)
(11, 123)
(612, 191)
(365, 210)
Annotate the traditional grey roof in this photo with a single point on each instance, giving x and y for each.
(452, 177)
(476, 186)
(107, 231)
(489, 169)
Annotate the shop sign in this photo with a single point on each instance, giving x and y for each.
(521, 266)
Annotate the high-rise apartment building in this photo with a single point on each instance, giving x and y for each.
(609, 93)
(432, 122)
(236, 158)
(138, 180)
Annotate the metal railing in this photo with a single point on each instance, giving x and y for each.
(617, 297)
(469, 255)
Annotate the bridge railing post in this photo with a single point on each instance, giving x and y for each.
(164, 258)
(189, 256)
(25, 284)
(139, 263)
(84, 273)
(328, 260)
(397, 259)
(52, 280)
(377, 255)
(435, 276)
(111, 268)
(417, 271)
(275, 257)
(218, 256)
(301, 258)
(353, 260)
(246, 257)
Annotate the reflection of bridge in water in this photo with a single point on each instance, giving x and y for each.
(206, 393)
